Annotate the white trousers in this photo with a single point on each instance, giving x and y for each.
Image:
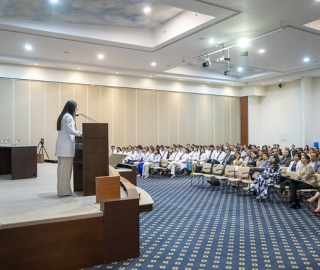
(145, 169)
(172, 166)
(64, 176)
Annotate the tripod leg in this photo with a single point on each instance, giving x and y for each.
(45, 151)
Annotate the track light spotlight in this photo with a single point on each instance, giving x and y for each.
(280, 85)
(206, 62)
(226, 72)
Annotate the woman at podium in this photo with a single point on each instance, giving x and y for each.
(65, 147)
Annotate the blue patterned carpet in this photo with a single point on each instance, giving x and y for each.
(194, 228)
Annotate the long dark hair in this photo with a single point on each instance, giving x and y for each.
(274, 165)
(69, 108)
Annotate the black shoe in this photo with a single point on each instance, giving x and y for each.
(210, 182)
(295, 205)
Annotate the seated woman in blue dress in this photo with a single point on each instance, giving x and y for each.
(260, 185)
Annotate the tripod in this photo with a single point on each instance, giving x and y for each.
(42, 147)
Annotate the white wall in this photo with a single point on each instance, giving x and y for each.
(316, 109)
(276, 117)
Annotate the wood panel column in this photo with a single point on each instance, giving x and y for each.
(244, 126)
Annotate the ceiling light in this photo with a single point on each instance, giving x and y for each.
(211, 40)
(28, 47)
(244, 42)
(240, 69)
(280, 80)
(262, 51)
(54, 1)
(146, 9)
(100, 56)
(153, 64)
(35, 64)
(117, 72)
(79, 69)
(306, 59)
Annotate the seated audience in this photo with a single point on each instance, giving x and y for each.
(154, 160)
(260, 185)
(201, 160)
(286, 160)
(305, 179)
(253, 160)
(180, 163)
(294, 166)
(314, 162)
(313, 199)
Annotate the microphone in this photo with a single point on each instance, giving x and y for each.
(86, 117)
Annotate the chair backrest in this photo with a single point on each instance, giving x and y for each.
(243, 172)
(318, 179)
(284, 170)
(164, 163)
(217, 169)
(206, 168)
(229, 171)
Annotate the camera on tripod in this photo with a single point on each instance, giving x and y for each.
(42, 148)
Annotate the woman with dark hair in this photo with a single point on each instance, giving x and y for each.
(260, 185)
(306, 178)
(65, 147)
(294, 166)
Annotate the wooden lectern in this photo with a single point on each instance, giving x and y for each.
(91, 157)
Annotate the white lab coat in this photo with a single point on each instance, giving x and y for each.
(65, 145)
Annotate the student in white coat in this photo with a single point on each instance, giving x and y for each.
(180, 163)
(65, 147)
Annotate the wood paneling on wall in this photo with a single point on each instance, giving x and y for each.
(30, 110)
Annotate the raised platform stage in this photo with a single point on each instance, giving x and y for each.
(39, 230)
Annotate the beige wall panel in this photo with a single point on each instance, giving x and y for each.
(66, 93)
(210, 120)
(37, 112)
(163, 118)
(119, 117)
(80, 96)
(226, 115)
(6, 109)
(131, 116)
(52, 113)
(152, 122)
(21, 112)
(183, 119)
(173, 106)
(202, 119)
(218, 120)
(143, 117)
(193, 118)
(107, 111)
(235, 120)
(94, 106)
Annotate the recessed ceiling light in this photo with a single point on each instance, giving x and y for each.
(280, 80)
(28, 47)
(211, 40)
(244, 42)
(262, 83)
(117, 72)
(262, 51)
(150, 76)
(306, 59)
(240, 68)
(35, 64)
(146, 9)
(54, 1)
(79, 68)
(100, 56)
(153, 64)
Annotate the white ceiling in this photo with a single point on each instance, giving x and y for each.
(175, 35)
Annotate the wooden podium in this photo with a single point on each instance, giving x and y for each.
(91, 157)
